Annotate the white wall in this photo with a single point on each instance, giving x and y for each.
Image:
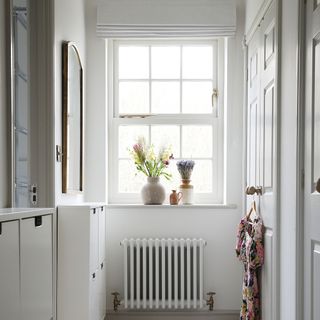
(4, 119)
(218, 226)
(96, 121)
(69, 25)
(252, 8)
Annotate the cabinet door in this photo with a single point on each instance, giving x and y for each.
(9, 270)
(36, 268)
(102, 291)
(94, 301)
(94, 240)
(102, 234)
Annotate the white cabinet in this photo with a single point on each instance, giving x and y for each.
(36, 267)
(81, 262)
(9, 270)
(27, 280)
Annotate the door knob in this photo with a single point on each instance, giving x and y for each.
(318, 185)
(252, 190)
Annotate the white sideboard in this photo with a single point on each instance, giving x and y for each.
(81, 262)
(27, 264)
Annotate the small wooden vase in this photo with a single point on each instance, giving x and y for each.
(175, 197)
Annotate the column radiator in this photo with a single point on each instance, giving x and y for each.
(163, 273)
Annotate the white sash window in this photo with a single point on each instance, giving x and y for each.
(170, 92)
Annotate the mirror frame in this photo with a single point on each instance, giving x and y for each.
(66, 45)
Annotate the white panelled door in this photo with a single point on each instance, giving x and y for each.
(312, 164)
(262, 149)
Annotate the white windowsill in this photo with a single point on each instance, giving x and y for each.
(172, 207)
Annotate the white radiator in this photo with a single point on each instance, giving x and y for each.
(163, 273)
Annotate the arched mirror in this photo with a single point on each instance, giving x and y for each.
(72, 130)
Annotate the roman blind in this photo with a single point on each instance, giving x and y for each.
(165, 18)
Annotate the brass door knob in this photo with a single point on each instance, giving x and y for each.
(318, 186)
(254, 190)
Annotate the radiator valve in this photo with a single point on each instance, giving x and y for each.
(116, 300)
(210, 301)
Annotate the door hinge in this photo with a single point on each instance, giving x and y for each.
(34, 194)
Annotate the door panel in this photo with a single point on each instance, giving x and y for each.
(316, 280)
(261, 148)
(268, 136)
(9, 270)
(267, 277)
(316, 109)
(312, 163)
(36, 268)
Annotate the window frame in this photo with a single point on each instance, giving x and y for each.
(216, 120)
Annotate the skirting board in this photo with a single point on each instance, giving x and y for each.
(173, 315)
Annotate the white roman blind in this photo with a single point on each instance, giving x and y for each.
(165, 18)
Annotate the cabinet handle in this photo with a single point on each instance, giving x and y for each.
(102, 208)
(0, 228)
(38, 221)
(318, 186)
(101, 265)
(94, 275)
(94, 211)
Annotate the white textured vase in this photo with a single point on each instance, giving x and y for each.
(153, 191)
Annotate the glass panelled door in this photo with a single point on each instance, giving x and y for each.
(20, 107)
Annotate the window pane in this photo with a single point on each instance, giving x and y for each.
(197, 62)
(128, 136)
(165, 97)
(196, 141)
(197, 97)
(175, 181)
(165, 62)
(129, 180)
(201, 178)
(133, 97)
(133, 62)
(166, 136)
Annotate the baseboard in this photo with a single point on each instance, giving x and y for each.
(174, 315)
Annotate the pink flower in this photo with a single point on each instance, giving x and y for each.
(166, 162)
(137, 147)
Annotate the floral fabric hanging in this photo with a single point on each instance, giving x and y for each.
(250, 250)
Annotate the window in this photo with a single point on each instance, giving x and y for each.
(166, 91)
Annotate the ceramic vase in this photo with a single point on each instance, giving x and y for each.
(186, 190)
(153, 192)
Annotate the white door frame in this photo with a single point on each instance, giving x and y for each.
(300, 161)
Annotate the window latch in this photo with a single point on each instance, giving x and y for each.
(214, 99)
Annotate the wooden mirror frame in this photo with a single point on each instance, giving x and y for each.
(65, 108)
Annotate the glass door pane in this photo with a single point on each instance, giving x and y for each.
(21, 110)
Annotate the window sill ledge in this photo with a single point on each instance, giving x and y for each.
(173, 207)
